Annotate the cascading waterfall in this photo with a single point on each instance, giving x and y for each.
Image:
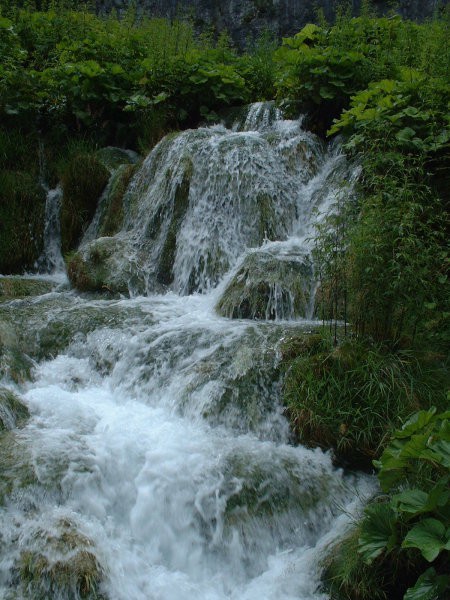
(156, 462)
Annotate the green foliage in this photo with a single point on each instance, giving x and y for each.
(351, 397)
(22, 206)
(411, 114)
(76, 72)
(400, 548)
(414, 523)
(346, 576)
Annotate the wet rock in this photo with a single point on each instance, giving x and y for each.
(272, 283)
(13, 413)
(20, 287)
(16, 466)
(102, 266)
(112, 157)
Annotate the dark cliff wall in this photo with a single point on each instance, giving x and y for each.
(247, 18)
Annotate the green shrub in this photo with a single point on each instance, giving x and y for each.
(22, 208)
(414, 520)
(401, 547)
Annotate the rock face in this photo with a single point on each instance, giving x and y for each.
(245, 19)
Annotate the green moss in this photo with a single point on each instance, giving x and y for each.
(13, 413)
(180, 206)
(83, 182)
(113, 218)
(22, 208)
(17, 287)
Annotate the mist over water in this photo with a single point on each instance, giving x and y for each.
(156, 429)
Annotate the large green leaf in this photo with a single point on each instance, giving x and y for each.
(429, 586)
(378, 531)
(416, 423)
(411, 501)
(417, 501)
(430, 537)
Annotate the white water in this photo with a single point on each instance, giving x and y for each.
(157, 432)
(51, 260)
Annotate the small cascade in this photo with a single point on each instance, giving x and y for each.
(146, 452)
(51, 260)
(204, 198)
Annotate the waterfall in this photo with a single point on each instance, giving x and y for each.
(51, 260)
(156, 462)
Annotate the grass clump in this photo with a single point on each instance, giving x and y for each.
(350, 397)
(346, 576)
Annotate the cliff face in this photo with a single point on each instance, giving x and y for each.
(244, 19)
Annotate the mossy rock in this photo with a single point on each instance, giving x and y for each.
(22, 210)
(13, 413)
(20, 287)
(112, 157)
(83, 181)
(269, 285)
(64, 566)
(180, 206)
(15, 365)
(113, 215)
(265, 491)
(16, 465)
(102, 266)
(43, 328)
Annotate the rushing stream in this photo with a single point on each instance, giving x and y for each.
(157, 450)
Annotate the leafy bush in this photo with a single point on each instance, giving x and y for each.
(401, 547)
(316, 77)
(415, 471)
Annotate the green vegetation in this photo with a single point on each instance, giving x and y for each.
(71, 82)
(22, 205)
(351, 396)
(401, 548)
